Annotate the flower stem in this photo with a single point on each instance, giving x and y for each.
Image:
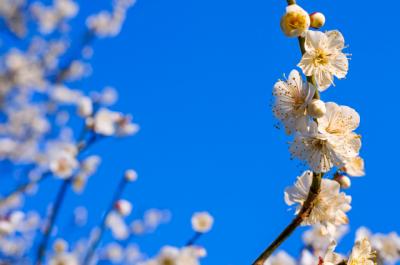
(193, 239)
(23, 187)
(52, 218)
(102, 227)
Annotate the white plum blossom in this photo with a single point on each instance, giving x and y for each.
(319, 237)
(323, 58)
(332, 258)
(362, 253)
(110, 123)
(355, 167)
(330, 206)
(117, 225)
(291, 100)
(108, 24)
(105, 122)
(202, 222)
(51, 17)
(331, 142)
(387, 246)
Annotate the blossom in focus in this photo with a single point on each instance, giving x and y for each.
(387, 246)
(295, 22)
(331, 142)
(330, 205)
(291, 100)
(202, 222)
(355, 167)
(323, 58)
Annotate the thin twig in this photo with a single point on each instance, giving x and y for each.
(53, 215)
(194, 239)
(23, 187)
(102, 227)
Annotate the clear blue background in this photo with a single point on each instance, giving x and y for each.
(197, 76)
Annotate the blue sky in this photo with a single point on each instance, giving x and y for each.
(197, 76)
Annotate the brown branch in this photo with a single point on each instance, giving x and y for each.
(52, 218)
(300, 217)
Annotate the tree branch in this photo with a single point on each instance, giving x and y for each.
(301, 216)
(49, 226)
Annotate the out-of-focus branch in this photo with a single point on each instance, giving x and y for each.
(193, 239)
(81, 146)
(52, 218)
(102, 227)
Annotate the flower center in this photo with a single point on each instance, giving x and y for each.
(321, 57)
(297, 21)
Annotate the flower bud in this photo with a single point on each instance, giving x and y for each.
(295, 21)
(123, 207)
(316, 108)
(131, 175)
(317, 20)
(344, 181)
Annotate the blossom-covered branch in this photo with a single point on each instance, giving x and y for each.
(323, 137)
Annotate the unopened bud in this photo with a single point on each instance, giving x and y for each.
(344, 181)
(317, 20)
(131, 175)
(123, 207)
(295, 21)
(316, 108)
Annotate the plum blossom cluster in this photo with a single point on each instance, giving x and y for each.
(319, 249)
(325, 140)
(324, 136)
(48, 126)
